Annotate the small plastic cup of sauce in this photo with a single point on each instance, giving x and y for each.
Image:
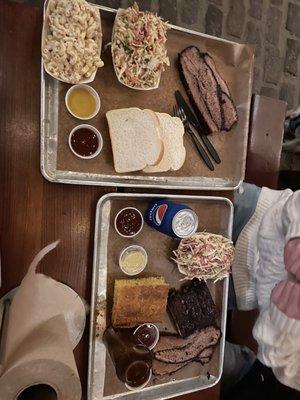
(129, 222)
(147, 335)
(133, 260)
(137, 366)
(85, 141)
(82, 101)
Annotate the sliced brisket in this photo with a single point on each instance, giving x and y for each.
(204, 360)
(192, 307)
(206, 353)
(161, 368)
(207, 90)
(205, 356)
(173, 342)
(205, 338)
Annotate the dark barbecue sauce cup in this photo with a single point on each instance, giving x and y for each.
(132, 361)
(129, 222)
(85, 141)
(147, 335)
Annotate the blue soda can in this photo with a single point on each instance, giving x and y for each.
(176, 220)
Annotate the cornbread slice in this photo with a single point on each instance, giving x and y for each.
(137, 301)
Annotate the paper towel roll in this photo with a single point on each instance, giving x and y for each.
(40, 298)
(45, 357)
(37, 349)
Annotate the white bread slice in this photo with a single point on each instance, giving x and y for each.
(135, 139)
(172, 131)
(159, 131)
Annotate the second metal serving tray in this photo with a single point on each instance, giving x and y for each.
(215, 215)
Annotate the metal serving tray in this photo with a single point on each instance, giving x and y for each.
(215, 215)
(236, 61)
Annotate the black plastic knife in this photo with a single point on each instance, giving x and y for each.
(194, 121)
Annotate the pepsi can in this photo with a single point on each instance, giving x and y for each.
(176, 220)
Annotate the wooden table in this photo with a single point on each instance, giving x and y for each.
(34, 212)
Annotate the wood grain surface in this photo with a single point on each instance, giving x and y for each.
(265, 141)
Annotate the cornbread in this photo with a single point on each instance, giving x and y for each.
(137, 301)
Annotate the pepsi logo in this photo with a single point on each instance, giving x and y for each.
(160, 213)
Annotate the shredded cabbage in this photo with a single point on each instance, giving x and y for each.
(204, 256)
(138, 47)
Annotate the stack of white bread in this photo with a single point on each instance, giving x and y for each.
(145, 140)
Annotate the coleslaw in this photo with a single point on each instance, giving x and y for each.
(204, 256)
(138, 47)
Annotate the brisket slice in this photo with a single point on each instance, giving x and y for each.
(206, 353)
(205, 338)
(205, 356)
(160, 368)
(204, 360)
(192, 307)
(207, 90)
(173, 342)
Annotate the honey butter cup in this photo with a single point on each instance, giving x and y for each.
(129, 249)
(89, 89)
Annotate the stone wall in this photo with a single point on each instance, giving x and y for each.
(272, 25)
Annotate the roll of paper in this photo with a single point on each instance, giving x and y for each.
(44, 357)
(37, 347)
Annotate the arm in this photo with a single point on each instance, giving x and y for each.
(278, 327)
(281, 224)
(292, 257)
(286, 295)
(291, 217)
